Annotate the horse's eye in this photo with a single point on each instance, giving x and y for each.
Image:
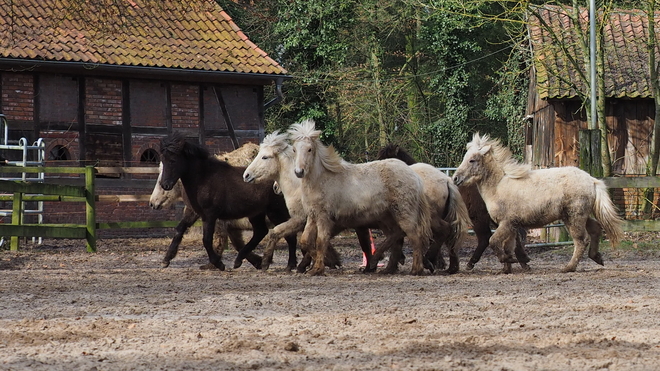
(472, 161)
(264, 158)
(294, 150)
(309, 150)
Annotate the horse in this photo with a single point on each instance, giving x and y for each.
(274, 163)
(477, 212)
(215, 190)
(225, 229)
(340, 194)
(517, 196)
(449, 215)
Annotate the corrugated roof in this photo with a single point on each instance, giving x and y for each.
(626, 56)
(194, 35)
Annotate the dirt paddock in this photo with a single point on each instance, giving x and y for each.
(65, 309)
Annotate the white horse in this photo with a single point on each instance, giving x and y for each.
(225, 230)
(275, 163)
(339, 194)
(517, 196)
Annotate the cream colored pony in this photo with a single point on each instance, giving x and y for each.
(517, 196)
(339, 194)
(275, 163)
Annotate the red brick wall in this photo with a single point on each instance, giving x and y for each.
(18, 97)
(103, 101)
(185, 106)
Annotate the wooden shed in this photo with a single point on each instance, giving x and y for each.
(554, 111)
(102, 81)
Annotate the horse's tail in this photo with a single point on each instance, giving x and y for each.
(456, 214)
(606, 213)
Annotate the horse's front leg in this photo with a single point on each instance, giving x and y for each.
(323, 234)
(521, 254)
(259, 231)
(189, 218)
(306, 243)
(208, 229)
(288, 228)
(503, 242)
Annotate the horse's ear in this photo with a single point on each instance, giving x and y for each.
(483, 150)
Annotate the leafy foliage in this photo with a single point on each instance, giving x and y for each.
(423, 75)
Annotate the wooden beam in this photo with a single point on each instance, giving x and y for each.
(14, 186)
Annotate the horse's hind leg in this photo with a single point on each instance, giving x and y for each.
(594, 229)
(259, 231)
(291, 241)
(521, 254)
(581, 239)
(441, 232)
(364, 238)
(189, 218)
(236, 237)
(481, 227)
(207, 239)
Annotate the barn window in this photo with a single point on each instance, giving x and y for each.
(59, 153)
(150, 156)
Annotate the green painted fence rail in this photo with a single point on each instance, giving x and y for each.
(26, 191)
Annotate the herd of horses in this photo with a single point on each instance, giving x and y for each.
(304, 188)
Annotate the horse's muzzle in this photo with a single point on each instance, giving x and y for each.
(248, 178)
(458, 180)
(299, 173)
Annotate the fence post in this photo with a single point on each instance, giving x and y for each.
(90, 209)
(16, 217)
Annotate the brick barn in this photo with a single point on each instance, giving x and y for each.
(103, 81)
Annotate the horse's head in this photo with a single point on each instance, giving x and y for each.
(266, 165)
(160, 198)
(473, 168)
(176, 155)
(395, 151)
(304, 136)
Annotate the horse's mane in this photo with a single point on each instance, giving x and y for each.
(279, 142)
(177, 144)
(395, 151)
(305, 130)
(502, 155)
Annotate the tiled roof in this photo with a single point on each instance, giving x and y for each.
(190, 35)
(626, 57)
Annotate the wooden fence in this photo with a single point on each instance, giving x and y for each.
(20, 191)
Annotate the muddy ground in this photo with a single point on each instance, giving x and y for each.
(62, 308)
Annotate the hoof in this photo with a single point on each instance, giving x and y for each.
(238, 263)
(470, 266)
(165, 264)
(210, 266)
(598, 259)
(506, 268)
(525, 267)
(316, 272)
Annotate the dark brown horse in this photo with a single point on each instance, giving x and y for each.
(481, 221)
(216, 190)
